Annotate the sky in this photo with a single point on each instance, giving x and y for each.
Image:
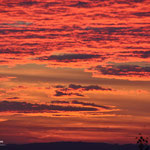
(74, 70)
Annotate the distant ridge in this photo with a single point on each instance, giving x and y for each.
(69, 146)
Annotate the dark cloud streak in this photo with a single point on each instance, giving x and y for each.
(88, 88)
(69, 57)
(60, 93)
(24, 107)
(123, 70)
(89, 104)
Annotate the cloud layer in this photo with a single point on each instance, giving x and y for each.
(104, 35)
(31, 108)
(69, 57)
(77, 90)
(133, 72)
(53, 107)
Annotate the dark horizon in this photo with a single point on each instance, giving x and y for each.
(80, 141)
(71, 145)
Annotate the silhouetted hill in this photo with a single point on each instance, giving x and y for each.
(70, 146)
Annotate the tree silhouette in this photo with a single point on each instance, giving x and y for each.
(142, 142)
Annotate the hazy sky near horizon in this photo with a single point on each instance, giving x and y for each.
(74, 70)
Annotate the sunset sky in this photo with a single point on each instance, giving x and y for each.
(74, 70)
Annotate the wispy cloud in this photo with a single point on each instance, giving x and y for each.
(24, 107)
(57, 107)
(6, 78)
(60, 93)
(77, 90)
(89, 104)
(89, 87)
(69, 57)
(131, 72)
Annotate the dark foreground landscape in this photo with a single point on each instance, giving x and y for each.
(69, 146)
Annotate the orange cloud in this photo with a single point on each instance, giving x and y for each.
(6, 78)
